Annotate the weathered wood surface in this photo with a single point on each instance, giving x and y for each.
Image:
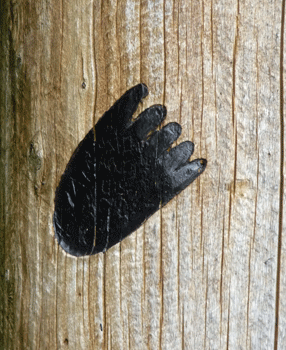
(209, 270)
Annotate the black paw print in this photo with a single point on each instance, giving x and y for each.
(120, 176)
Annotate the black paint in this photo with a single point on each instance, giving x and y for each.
(117, 182)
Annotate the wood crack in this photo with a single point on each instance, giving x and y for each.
(281, 192)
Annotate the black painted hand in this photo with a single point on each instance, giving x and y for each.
(111, 186)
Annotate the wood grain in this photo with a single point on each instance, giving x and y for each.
(209, 270)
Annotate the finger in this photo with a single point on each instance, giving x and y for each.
(188, 173)
(161, 140)
(148, 121)
(182, 178)
(119, 115)
(180, 154)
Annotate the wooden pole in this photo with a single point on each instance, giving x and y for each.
(208, 271)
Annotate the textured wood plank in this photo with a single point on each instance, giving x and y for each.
(208, 270)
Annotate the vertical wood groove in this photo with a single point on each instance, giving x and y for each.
(281, 188)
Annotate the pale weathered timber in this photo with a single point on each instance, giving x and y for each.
(209, 270)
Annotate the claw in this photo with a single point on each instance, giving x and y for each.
(179, 155)
(148, 121)
(118, 117)
(161, 140)
(189, 172)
